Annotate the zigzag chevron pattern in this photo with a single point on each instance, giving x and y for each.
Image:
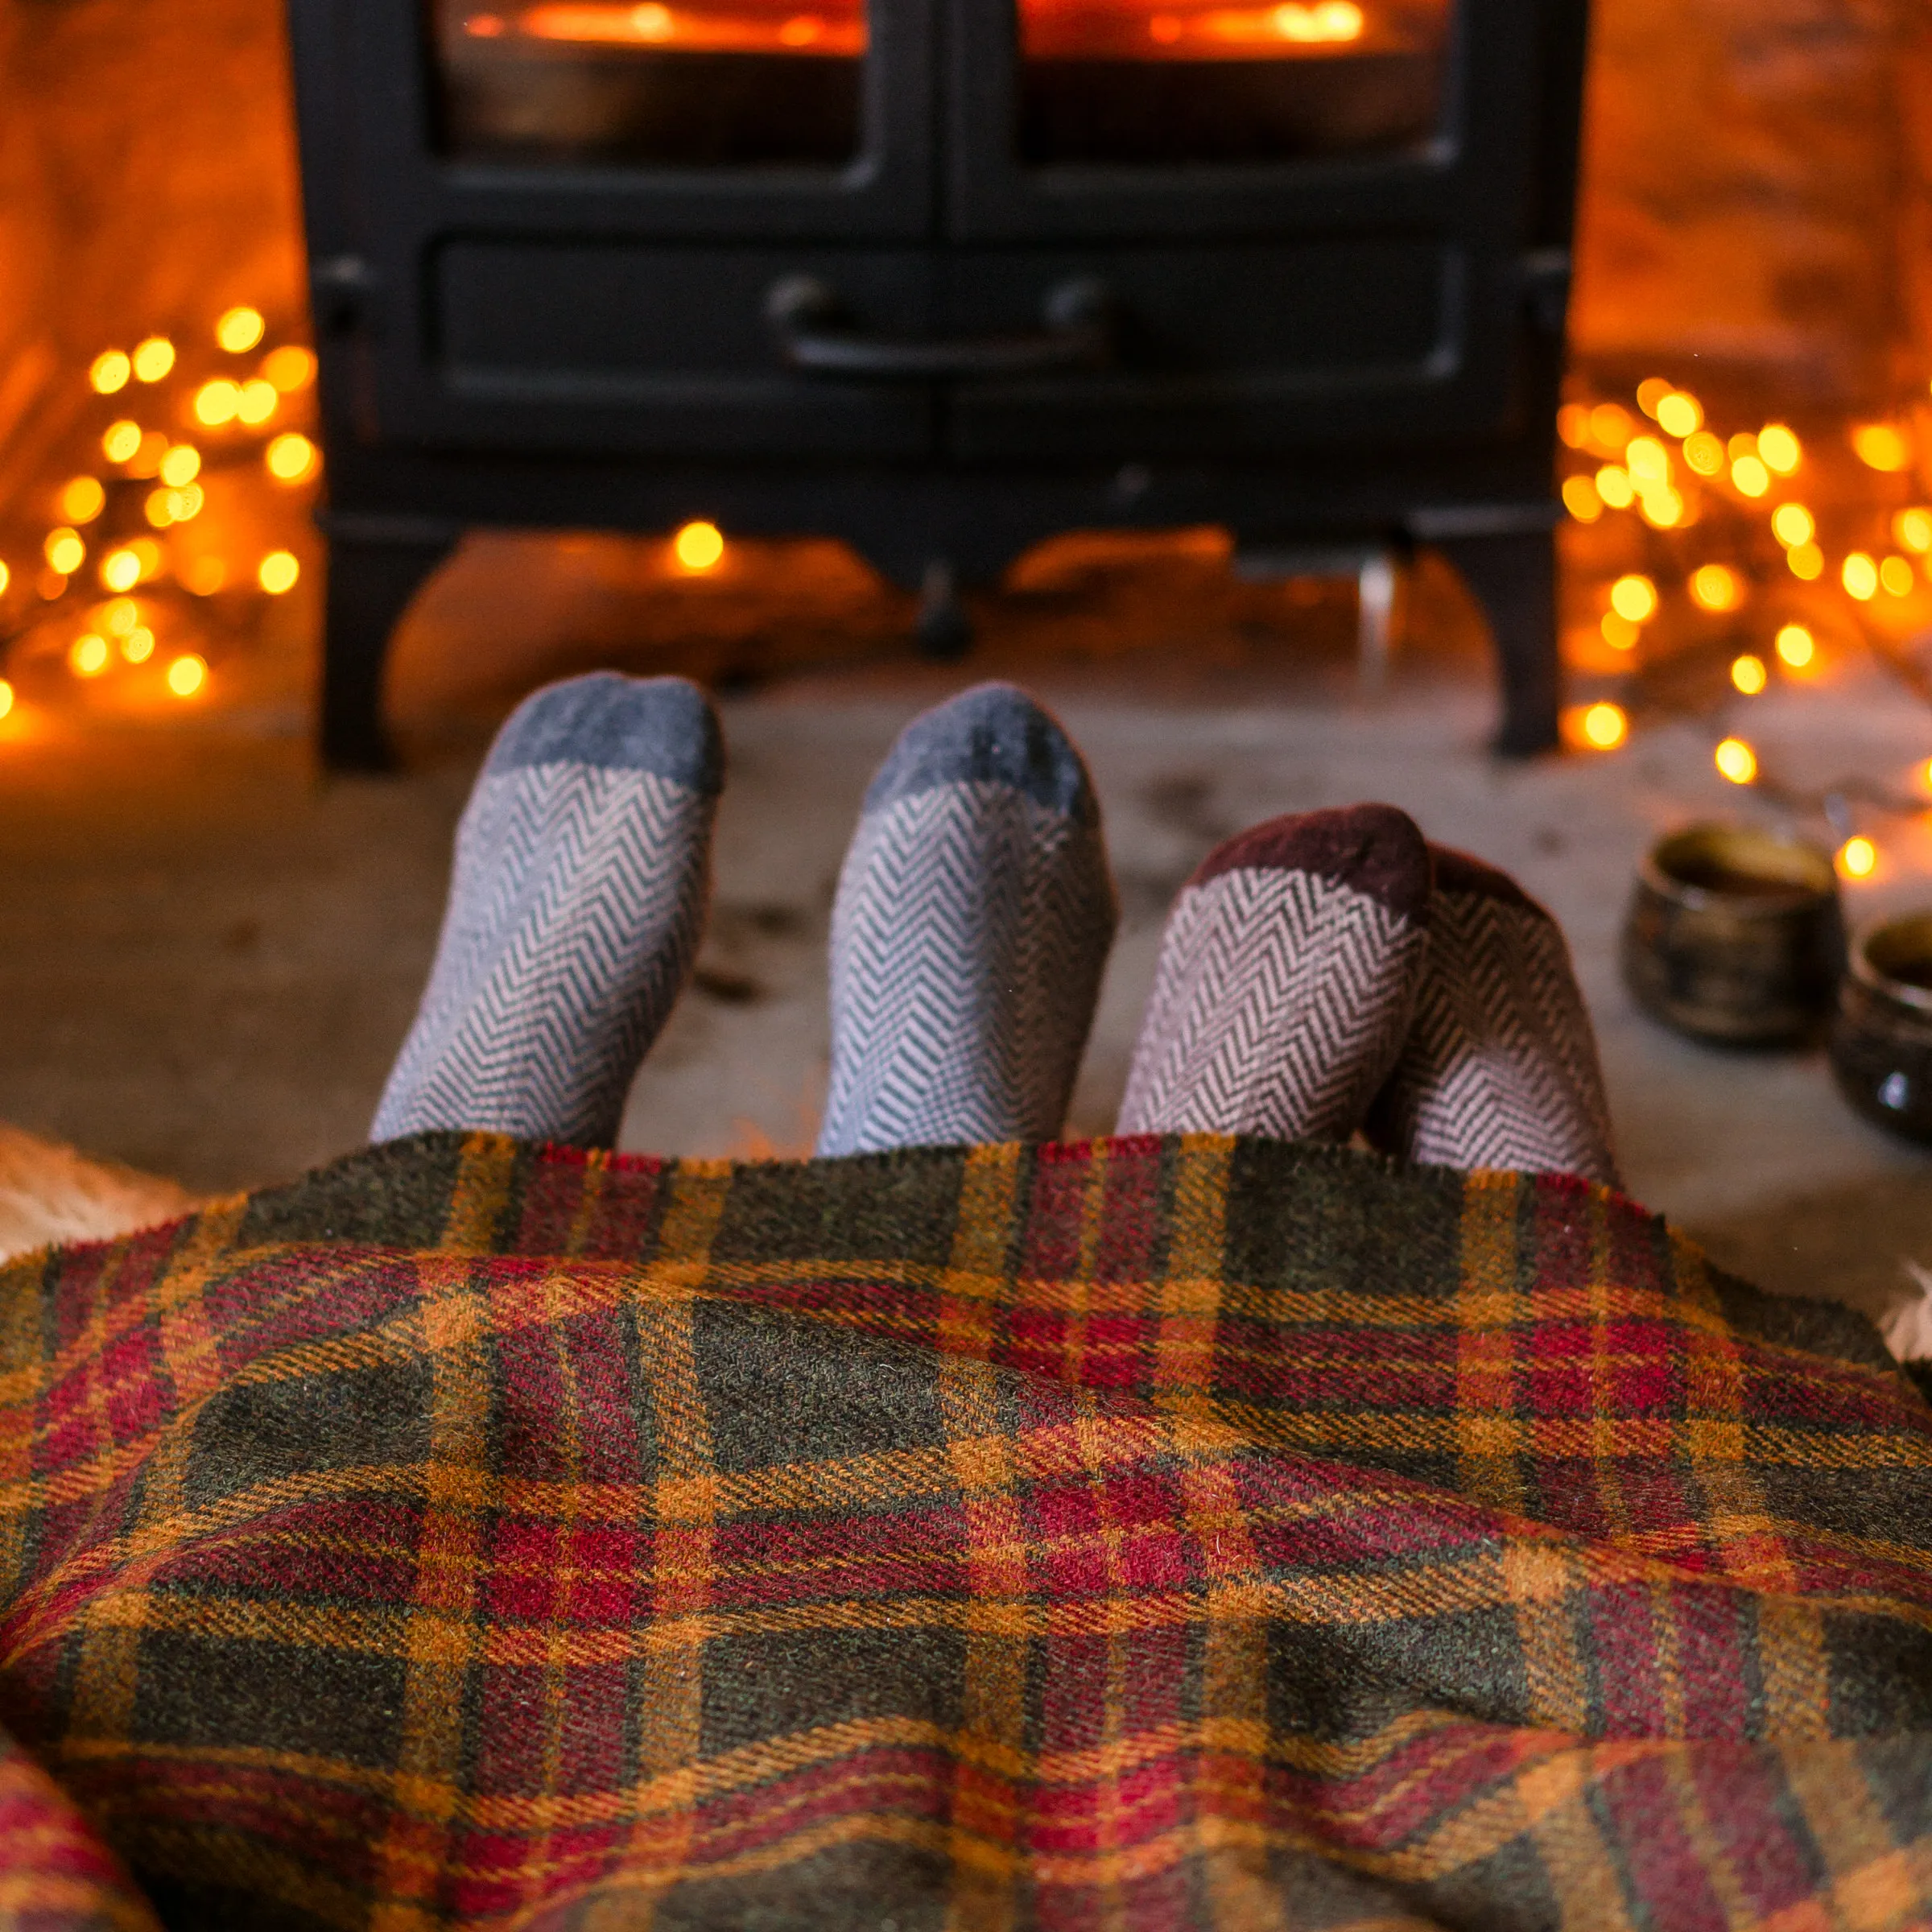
(1500, 1069)
(575, 907)
(970, 932)
(1278, 1006)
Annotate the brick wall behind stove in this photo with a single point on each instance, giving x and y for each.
(1756, 176)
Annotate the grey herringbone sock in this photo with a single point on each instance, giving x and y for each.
(1500, 1068)
(576, 906)
(974, 915)
(1286, 976)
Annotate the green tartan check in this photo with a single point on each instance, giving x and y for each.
(1143, 1534)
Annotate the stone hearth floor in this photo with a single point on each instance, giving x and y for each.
(208, 957)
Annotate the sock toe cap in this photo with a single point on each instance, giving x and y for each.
(992, 734)
(662, 725)
(1374, 849)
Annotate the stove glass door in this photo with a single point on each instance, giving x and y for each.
(1166, 82)
(669, 83)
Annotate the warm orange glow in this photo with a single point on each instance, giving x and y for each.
(1791, 523)
(1605, 726)
(121, 441)
(109, 371)
(1648, 461)
(1796, 646)
(204, 575)
(82, 500)
(1735, 760)
(186, 674)
(699, 546)
(64, 551)
(1714, 588)
(181, 465)
(1913, 528)
(1858, 858)
(1749, 477)
(1779, 448)
(218, 402)
(1805, 561)
(1748, 673)
(7, 576)
(1634, 597)
(138, 646)
(1662, 507)
(290, 457)
(259, 400)
(1613, 486)
(118, 617)
(290, 368)
(1895, 577)
(1859, 576)
(239, 329)
(1679, 414)
(278, 572)
(6, 697)
(1581, 499)
(1610, 426)
(1572, 420)
(704, 29)
(146, 462)
(87, 655)
(1704, 453)
(123, 568)
(159, 508)
(1652, 391)
(167, 506)
(153, 359)
(1618, 633)
(1881, 446)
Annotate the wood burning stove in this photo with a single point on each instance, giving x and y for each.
(941, 277)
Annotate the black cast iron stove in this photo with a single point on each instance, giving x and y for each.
(940, 277)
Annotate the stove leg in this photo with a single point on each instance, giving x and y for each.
(1513, 577)
(371, 578)
(944, 631)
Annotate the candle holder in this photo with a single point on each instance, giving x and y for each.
(1881, 1036)
(1735, 934)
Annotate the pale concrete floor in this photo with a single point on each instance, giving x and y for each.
(207, 957)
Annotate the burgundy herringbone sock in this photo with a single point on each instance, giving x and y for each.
(1500, 1068)
(1286, 980)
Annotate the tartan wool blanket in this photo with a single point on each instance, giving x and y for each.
(1142, 1534)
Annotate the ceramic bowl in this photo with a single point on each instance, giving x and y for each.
(1881, 1037)
(1735, 934)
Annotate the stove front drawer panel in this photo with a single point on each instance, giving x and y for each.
(1229, 350)
(606, 347)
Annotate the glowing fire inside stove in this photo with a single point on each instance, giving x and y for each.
(1052, 29)
(838, 30)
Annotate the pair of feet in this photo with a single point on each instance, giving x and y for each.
(1319, 974)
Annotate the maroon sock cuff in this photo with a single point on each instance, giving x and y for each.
(1373, 849)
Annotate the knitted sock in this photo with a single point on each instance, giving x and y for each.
(1286, 978)
(576, 906)
(973, 918)
(1500, 1068)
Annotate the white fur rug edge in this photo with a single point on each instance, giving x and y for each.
(51, 1193)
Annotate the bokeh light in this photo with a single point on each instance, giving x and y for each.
(238, 330)
(82, 499)
(1735, 760)
(1679, 414)
(1748, 673)
(1634, 597)
(1859, 576)
(1779, 449)
(186, 674)
(217, 403)
(1792, 524)
(1881, 446)
(1714, 587)
(278, 572)
(119, 440)
(87, 656)
(1858, 858)
(64, 551)
(1795, 646)
(699, 546)
(153, 358)
(109, 371)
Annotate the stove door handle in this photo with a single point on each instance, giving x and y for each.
(816, 334)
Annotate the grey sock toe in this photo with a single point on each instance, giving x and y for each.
(614, 723)
(993, 734)
(575, 907)
(974, 916)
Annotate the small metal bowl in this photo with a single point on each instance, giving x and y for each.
(1881, 1039)
(1735, 934)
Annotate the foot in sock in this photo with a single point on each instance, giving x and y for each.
(974, 915)
(1286, 980)
(575, 907)
(1500, 1066)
